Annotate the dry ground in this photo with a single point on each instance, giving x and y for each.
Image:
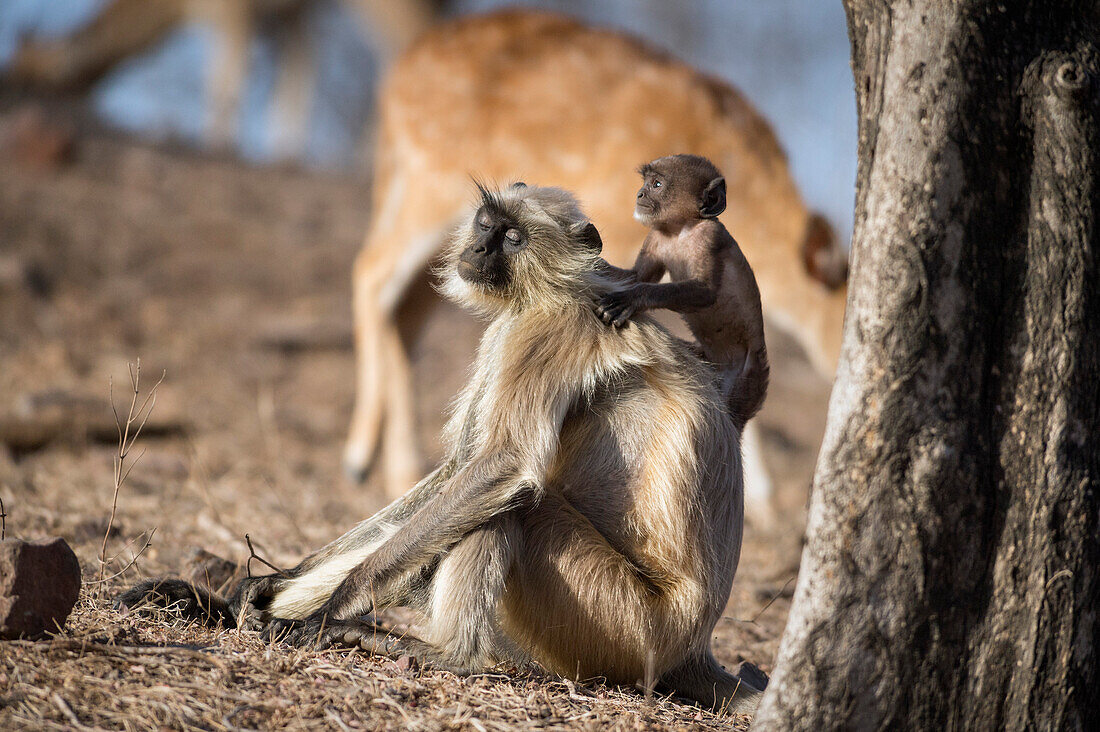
(235, 282)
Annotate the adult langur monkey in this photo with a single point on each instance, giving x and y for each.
(589, 514)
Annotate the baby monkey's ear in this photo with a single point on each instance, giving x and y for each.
(713, 200)
(590, 237)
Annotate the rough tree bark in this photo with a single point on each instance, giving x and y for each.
(950, 577)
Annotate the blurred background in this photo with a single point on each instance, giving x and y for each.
(158, 200)
(790, 57)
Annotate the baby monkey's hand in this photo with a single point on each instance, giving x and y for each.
(615, 308)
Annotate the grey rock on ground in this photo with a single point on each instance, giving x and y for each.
(39, 584)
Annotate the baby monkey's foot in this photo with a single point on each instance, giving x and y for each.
(318, 634)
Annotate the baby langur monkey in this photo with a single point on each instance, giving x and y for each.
(712, 285)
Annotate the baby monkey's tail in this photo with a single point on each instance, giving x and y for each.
(180, 597)
(745, 390)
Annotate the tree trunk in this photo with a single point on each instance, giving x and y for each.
(950, 577)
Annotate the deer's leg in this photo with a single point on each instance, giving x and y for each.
(293, 95)
(370, 321)
(401, 242)
(759, 490)
(401, 455)
(232, 29)
(394, 25)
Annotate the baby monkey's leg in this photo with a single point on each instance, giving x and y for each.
(745, 385)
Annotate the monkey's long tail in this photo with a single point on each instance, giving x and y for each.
(745, 393)
(180, 597)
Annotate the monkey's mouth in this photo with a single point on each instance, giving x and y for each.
(469, 273)
(644, 211)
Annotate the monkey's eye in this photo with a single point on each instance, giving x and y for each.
(514, 237)
(483, 223)
(657, 183)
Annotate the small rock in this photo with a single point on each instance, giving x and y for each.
(39, 584)
(404, 664)
(407, 663)
(751, 674)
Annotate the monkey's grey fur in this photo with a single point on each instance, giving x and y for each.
(589, 513)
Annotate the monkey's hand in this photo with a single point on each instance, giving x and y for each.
(318, 633)
(615, 308)
(250, 599)
(175, 595)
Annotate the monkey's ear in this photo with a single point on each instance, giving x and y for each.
(822, 255)
(713, 200)
(590, 237)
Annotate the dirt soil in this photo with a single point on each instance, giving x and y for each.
(234, 282)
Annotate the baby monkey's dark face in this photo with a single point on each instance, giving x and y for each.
(652, 196)
(679, 189)
(496, 239)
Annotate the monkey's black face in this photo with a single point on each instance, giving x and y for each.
(487, 262)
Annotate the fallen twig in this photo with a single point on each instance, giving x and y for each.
(253, 555)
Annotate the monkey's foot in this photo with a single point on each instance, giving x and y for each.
(751, 674)
(374, 639)
(318, 635)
